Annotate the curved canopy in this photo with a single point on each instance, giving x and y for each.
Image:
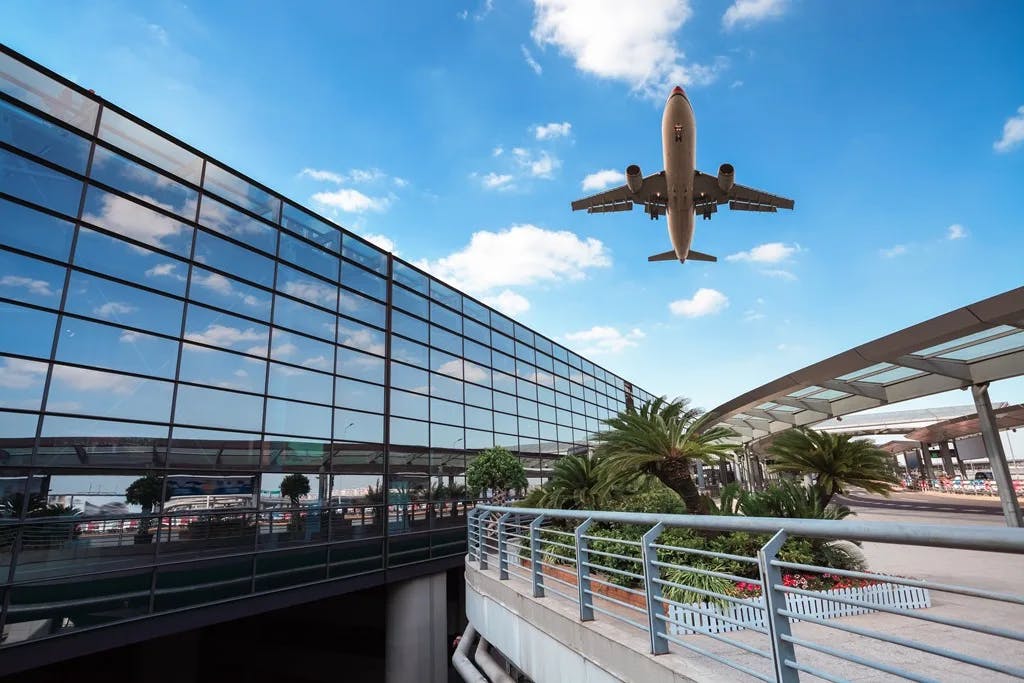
(979, 343)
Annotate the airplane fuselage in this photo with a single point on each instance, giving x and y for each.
(679, 146)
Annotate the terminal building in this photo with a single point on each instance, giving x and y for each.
(179, 339)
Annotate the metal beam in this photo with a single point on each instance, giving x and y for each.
(815, 405)
(939, 366)
(875, 391)
(996, 455)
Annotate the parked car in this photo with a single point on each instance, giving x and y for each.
(983, 476)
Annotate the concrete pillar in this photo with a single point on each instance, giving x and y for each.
(996, 455)
(959, 462)
(416, 629)
(947, 458)
(926, 462)
(700, 475)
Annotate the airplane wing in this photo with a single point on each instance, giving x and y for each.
(652, 191)
(740, 197)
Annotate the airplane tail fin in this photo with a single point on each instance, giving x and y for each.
(667, 256)
(699, 256)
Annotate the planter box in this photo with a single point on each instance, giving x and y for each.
(685, 622)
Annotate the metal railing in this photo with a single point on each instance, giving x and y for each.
(620, 566)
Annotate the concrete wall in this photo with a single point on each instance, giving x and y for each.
(546, 641)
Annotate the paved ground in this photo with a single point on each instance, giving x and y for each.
(944, 505)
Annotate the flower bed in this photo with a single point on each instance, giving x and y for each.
(684, 622)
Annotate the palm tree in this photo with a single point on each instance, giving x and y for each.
(582, 482)
(834, 462)
(663, 438)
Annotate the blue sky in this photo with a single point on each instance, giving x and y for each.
(458, 132)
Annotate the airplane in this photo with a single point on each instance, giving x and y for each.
(681, 191)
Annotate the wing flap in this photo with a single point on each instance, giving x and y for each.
(608, 208)
(622, 198)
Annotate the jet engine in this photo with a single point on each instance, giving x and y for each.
(726, 177)
(634, 178)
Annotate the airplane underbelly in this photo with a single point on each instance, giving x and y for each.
(679, 149)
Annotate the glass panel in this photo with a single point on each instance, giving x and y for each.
(137, 222)
(149, 146)
(409, 352)
(445, 387)
(445, 411)
(229, 186)
(476, 310)
(231, 258)
(302, 385)
(503, 401)
(143, 183)
(446, 295)
(360, 365)
(306, 287)
(352, 425)
(23, 278)
(364, 281)
(289, 417)
(360, 337)
(216, 408)
(410, 379)
(445, 364)
(300, 350)
(442, 339)
(359, 395)
(228, 221)
(409, 433)
(101, 442)
(24, 83)
(101, 298)
(524, 352)
(1005, 344)
(476, 352)
(39, 184)
(364, 254)
(503, 343)
(214, 449)
(406, 300)
(503, 362)
(445, 317)
(405, 404)
(479, 440)
(224, 292)
(314, 229)
(476, 331)
(362, 308)
(504, 382)
(290, 313)
(26, 331)
(203, 365)
(412, 279)
(476, 373)
(505, 423)
(21, 384)
(40, 233)
(501, 323)
(408, 326)
(106, 394)
(479, 419)
(206, 326)
(478, 396)
(111, 256)
(49, 141)
(311, 258)
(114, 348)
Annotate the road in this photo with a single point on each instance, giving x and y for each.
(929, 505)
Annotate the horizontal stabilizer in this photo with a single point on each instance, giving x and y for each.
(667, 256)
(698, 256)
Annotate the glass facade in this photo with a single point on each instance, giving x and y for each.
(179, 346)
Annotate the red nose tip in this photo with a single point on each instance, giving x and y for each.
(677, 89)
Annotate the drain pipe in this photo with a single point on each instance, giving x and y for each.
(461, 661)
(489, 666)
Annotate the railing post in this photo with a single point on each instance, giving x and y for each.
(503, 547)
(482, 533)
(778, 625)
(659, 645)
(536, 575)
(583, 571)
(471, 531)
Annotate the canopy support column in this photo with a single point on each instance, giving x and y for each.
(996, 455)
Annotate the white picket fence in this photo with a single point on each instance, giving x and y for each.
(685, 622)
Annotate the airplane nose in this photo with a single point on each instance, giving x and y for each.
(679, 90)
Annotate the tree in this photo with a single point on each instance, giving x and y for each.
(663, 438)
(295, 486)
(834, 462)
(146, 492)
(496, 469)
(584, 482)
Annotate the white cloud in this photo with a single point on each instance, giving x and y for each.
(779, 273)
(497, 151)
(603, 340)
(704, 302)
(159, 33)
(351, 201)
(508, 302)
(540, 165)
(550, 131)
(36, 287)
(749, 12)
(753, 315)
(321, 294)
(128, 337)
(16, 373)
(736, 84)
(356, 175)
(226, 336)
(361, 339)
(893, 252)
(382, 241)
(113, 308)
(1013, 132)
(494, 181)
(166, 269)
(519, 255)
(956, 232)
(771, 252)
(530, 61)
(82, 379)
(629, 42)
(136, 221)
(602, 179)
(321, 175)
(213, 281)
(400, 182)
